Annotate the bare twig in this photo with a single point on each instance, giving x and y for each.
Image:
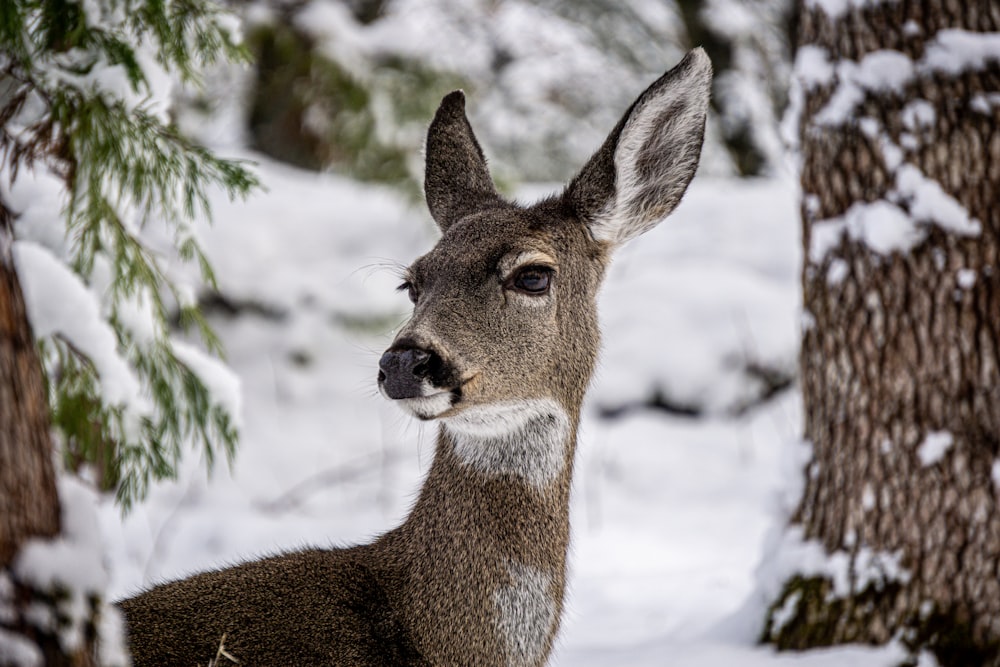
(299, 494)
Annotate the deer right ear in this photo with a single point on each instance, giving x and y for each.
(456, 180)
(641, 172)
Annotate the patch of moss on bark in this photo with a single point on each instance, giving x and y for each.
(809, 615)
(948, 634)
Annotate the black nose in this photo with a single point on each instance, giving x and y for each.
(402, 371)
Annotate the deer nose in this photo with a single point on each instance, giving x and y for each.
(402, 372)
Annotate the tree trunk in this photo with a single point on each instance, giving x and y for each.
(29, 503)
(29, 506)
(900, 355)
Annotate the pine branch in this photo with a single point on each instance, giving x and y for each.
(123, 167)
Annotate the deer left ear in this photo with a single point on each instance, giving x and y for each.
(641, 172)
(456, 179)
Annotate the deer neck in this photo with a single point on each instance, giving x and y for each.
(483, 553)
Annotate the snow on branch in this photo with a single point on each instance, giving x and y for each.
(222, 383)
(99, 162)
(59, 304)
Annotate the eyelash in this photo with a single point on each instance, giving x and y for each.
(409, 288)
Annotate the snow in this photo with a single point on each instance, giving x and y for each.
(934, 446)
(669, 513)
(884, 225)
(837, 272)
(953, 51)
(74, 564)
(90, 73)
(73, 559)
(525, 61)
(868, 498)
(787, 553)
(59, 304)
(918, 114)
(949, 52)
(984, 102)
(332, 25)
(136, 314)
(813, 67)
(781, 617)
(733, 300)
(837, 8)
(340, 247)
(892, 155)
(929, 202)
(17, 651)
(883, 70)
(112, 647)
(223, 385)
(881, 225)
(966, 278)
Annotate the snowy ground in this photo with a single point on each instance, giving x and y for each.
(670, 513)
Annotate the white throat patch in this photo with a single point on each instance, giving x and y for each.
(526, 439)
(526, 613)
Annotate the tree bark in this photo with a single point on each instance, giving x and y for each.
(29, 506)
(900, 361)
(29, 502)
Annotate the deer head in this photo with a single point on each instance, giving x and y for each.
(500, 349)
(504, 326)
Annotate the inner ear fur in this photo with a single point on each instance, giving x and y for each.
(642, 170)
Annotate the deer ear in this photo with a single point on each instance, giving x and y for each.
(641, 172)
(456, 180)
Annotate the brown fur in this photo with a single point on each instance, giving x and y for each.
(476, 574)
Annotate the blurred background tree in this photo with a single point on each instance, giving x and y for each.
(348, 85)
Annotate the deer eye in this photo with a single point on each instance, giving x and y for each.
(410, 290)
(533, 280)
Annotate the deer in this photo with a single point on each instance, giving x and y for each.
(499, 351)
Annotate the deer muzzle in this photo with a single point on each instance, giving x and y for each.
(404, 372)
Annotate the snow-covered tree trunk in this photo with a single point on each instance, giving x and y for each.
(900, 172)
(29, 506)
(29, 502)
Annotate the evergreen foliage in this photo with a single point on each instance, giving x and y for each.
(83, 94)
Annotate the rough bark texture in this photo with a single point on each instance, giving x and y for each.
(900, 346)
(29, 505)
